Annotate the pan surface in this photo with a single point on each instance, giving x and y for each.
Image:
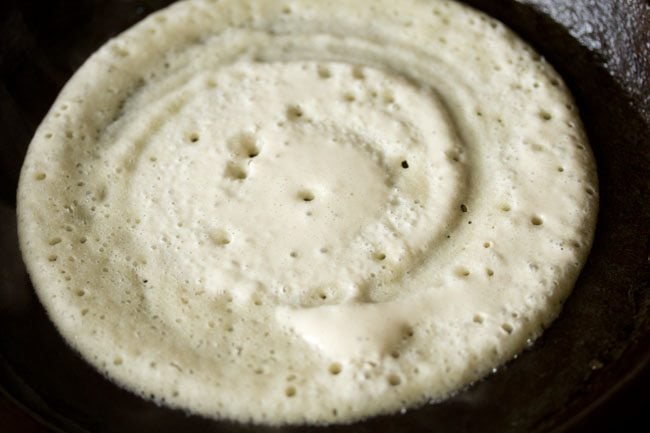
(600, 342)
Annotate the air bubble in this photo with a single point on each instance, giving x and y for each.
(394, 380)
(489, 272)
(306, 195)
(507, 327)
(193, 137)
(505, 207)
(335, 368)
(245, 144)
(40, 176)
(55, 241)
(379, 256)
(536, 221)
(405, 164)
(357, 72)
(235, 172)
(478, 319)
(463, 208)
(294, 112)
(487, 244)
(290, 391)
(545, 115)
(118, 360)
(52, 258)
(462, 272)
(220, 238)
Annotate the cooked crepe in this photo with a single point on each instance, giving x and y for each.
(304, 211)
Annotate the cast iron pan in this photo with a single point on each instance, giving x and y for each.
(600, 343)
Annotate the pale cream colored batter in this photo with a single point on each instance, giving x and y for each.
(304, 211)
